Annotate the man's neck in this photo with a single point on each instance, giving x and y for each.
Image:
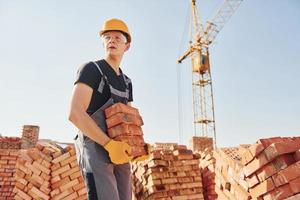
(114, 63)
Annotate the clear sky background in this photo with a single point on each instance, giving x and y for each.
(255, 65)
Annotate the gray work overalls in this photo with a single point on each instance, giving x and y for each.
(104, 180)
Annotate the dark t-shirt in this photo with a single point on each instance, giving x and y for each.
(90, 75)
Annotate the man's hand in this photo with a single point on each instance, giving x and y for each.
(148, 149)
(118, 151)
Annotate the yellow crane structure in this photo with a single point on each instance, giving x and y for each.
(202, 37)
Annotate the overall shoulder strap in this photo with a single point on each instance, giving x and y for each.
(103, 78)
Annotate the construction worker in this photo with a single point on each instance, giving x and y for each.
(104, 162)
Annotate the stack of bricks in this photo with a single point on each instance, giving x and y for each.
(124, 124)
(229, 177)
(171, 173)
(66, 180)
(33, 174)
(207, 166)
(268, 169)
(8, 159)
(204, 147)
(10, 143)
(30, 136)
(48, 172)
(272, 168)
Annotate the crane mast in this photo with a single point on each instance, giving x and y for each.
(203, 100)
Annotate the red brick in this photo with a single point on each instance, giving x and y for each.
(246, 156)
(295, 185)
(252, 180)
(255, 164)
(262, 188)
(295, 197)
(124, 118)
(33, 169)
(132, 140)
(23, 195)
(69, 185)
(124, 129)
(279, 148)
(39, 193)
(268, 141)
(41, 167)
(60, 183)
(4, 152)
(286, 175)
(61, 158)
(69, 160)
(183, 152)
(75, 175)
(60, 170)
(279, 193)
(275, 166)
(120, 108)
(297, 155)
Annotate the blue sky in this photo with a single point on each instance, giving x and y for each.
(255, 65)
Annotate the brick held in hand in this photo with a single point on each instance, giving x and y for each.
(120, 108)
(124, 118)
(124, 129)
(136, 142)
(132, 140)
(137, 151)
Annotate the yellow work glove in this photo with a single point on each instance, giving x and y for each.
(148, 149)
(118, 151)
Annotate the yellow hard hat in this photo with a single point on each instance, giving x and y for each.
(115, 25)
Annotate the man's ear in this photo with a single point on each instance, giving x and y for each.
(127, 47)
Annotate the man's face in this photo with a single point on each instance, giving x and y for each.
(115, 43)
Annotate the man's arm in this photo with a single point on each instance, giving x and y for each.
(80, 100)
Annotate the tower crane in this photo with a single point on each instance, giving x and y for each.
(202, 37)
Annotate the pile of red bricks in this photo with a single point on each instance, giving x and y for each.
(33, 175)
(229, 177)
(272, 166)
(124, 124)
(171, 172)
(269, 169)
(207, 166)
(8, 159)
(48, 172)
(66, 180)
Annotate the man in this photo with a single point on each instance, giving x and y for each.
(104, 162)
